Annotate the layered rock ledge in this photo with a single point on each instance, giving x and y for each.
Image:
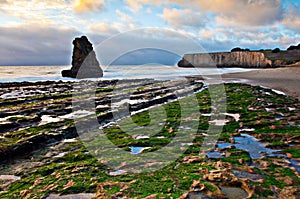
(43, 156)
(242, 59)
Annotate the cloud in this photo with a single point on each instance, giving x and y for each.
(83, 6)
(291, 17)
(103, 29)
(26, 8)
(255, 38)
(248, 12)
(124, 17)
(39, 37)
(36, 45)
(123, 23)
(147, 56)
(127, 22)
(38, 11)
(179, 18)
(132, 47)
(48, 45)
(134, 6)
(208, 33)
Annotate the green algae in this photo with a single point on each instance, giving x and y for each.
(78, 172)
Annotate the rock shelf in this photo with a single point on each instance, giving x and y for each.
(42, 155)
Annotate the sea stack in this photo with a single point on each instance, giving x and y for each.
(84, 61)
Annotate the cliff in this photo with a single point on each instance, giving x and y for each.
(84, 61)
(242, 59)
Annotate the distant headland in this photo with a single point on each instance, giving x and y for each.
(244, 58)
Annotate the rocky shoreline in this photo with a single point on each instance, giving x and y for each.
(42, 155)
(54, 100)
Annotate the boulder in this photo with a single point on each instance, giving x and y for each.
(191, 159)
(184, 63)
(84, 61)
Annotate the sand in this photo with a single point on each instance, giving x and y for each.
(286, 79)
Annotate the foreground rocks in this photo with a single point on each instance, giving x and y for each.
(47, 115)
(290, 193)
(42, 155)
(84, 61)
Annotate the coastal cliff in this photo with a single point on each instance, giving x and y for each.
(242, 59)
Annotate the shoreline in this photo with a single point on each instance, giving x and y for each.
(283, 79)
(36, 74)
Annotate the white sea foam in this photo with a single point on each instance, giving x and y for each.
(44, 73)
(278, 92)
(48, 119)
(77, 114)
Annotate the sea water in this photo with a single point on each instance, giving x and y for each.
(44, 73)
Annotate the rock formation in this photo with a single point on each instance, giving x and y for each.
(242, 59)
(84, 61)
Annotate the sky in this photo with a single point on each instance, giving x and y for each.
(40, 32)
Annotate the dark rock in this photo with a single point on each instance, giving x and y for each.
(238, 49)
(8, 126)
(276, 50)
(84, 61)
(294, 47)
(184, 63)
(26, 146)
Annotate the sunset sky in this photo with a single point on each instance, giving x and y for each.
(40, 32)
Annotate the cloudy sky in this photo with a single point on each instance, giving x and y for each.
(40, 32)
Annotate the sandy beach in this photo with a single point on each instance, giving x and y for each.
(282, 79)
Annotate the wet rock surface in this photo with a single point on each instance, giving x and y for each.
(6, 180)
(290, 192)
(42, 155)
(46, 117)
(72, 196)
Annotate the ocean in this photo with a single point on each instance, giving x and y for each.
(44, 73)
